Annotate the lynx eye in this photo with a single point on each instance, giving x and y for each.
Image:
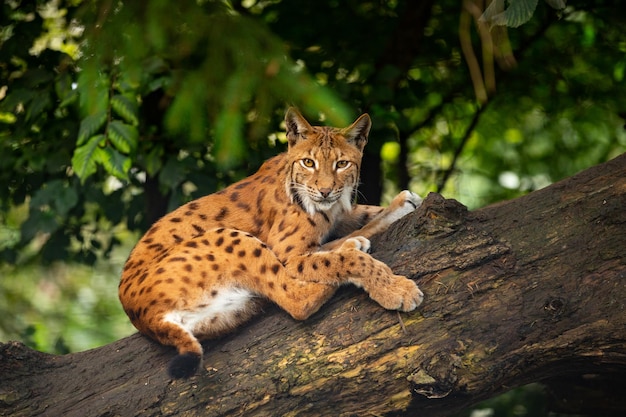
(307, 163)
(342, 164)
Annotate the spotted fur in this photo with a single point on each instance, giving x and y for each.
(288, 233)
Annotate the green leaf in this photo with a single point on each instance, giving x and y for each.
(229, 143)
(56, 195)
(124, 137)
(93, 89)
(152, 162)
(172, 174)
(125, 108)
(38, 106)
(63, 87)
(90, 125)
(115, 163)
(518, 13)
(85, 158)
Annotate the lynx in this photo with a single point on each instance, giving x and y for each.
(289, 233)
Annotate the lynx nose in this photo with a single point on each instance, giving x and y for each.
(325, 192)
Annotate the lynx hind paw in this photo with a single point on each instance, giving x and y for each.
(403, 294)
(358, 242)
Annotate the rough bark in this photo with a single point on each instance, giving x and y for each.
(531, 289)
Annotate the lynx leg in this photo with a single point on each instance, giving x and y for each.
(402, 204)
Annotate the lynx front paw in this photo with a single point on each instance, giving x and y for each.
(358, 242)
(406, 201)
(401, 294)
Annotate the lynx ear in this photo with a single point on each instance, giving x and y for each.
(297, 126)
(358, 131)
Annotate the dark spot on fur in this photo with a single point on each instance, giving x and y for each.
(221, 215)
(177, 259)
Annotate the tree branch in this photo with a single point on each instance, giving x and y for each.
(531, 289)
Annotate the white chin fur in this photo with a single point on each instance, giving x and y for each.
(343, 203)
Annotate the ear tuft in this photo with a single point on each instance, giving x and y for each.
(297, 126)
(358, 131)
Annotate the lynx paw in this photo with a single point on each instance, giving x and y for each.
(401, 294)
(358, 242)
(406, 201)
(403, 204)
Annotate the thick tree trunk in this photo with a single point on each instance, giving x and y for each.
(532, 289)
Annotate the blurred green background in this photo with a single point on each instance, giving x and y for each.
(112, 114)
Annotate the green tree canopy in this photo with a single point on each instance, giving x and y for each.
(114, 113)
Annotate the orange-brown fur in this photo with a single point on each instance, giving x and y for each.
(199, 271)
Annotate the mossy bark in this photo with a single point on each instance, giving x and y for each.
(531, 289)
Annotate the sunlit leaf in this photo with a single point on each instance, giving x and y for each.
(115, 163)
(85, 158)
(90, 125)
(125, 108)
(124, 137)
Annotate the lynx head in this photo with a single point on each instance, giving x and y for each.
(324, 162)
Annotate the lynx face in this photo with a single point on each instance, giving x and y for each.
(325, 163)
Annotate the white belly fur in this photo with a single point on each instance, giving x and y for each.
(223, 306)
